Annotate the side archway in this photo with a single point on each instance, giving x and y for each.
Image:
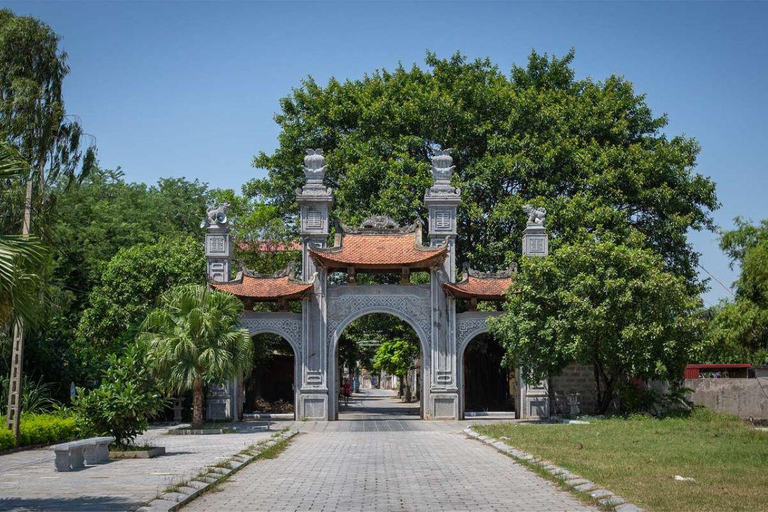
(288, 327)
(474, 363)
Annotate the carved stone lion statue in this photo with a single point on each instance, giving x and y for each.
(535, 215)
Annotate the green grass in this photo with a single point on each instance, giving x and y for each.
(638, 457)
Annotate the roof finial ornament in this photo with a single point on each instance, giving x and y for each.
(314, 166)
(442, 167)
(535, 215)
(380, 223)
(442, 170)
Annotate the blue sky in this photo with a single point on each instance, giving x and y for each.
(190, 88)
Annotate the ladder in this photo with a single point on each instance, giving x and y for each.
(14, 386)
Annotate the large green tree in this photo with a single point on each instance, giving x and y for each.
(131, 285)
(194, 339)
(592, 152)
(32, 113)
(738, 329)
(607, 304)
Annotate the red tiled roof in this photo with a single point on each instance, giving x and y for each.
(482, 288)
(267, 246)
(377, 250)
(265, 288)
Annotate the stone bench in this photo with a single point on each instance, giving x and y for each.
(75, 454)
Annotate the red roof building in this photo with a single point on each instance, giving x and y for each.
(381, 246)
(481, 286)
(280, 287)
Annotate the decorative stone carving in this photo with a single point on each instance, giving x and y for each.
(498, 274)
(314, 166)
(288, 328)
(314, 171)
(409, 307)
(468, 329)
(380, 222)
(535, 215)
(442, 170)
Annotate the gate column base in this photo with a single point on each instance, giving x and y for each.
(443, 405)
(313, 405)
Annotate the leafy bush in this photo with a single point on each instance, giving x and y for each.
(656, 402)
(35, 396)
(40, 429)
(122, 405)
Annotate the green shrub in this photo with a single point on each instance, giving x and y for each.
(122, 405)
(40, 429)
(36, 396)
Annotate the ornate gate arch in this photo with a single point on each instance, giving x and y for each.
(378, 245)
(344, 308)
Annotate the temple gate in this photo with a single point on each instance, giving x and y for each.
(377, 245)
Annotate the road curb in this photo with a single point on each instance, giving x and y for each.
(189, 490)
(570, 480)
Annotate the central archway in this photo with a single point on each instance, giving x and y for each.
(378, 400)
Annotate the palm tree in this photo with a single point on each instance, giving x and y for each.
(194, 338)
(20, 256)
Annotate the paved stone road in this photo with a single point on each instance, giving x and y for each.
(386, 465)
(29, 482)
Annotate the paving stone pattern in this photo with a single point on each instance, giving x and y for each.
(387, 470)
(29, 482)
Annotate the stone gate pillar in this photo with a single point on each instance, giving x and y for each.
(534, 396)
(224, 400)
(442, 201)
(314, 200)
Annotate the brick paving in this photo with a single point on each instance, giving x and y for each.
(29, 482)
(382, 457)
(388, 471)
(378, 462)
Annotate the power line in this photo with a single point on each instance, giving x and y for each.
(716, 280)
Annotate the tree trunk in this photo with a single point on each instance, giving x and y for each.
(605, 389)
(400, 390)
(197, 403)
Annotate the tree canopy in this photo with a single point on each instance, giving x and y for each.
(738, 330)
(591, 152)
(132, 283)
(601, 303)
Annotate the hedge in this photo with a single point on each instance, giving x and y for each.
(40, 429)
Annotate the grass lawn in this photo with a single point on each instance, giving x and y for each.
(638, 457)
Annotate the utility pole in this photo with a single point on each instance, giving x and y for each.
(17, 352)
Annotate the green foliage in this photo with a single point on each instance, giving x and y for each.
(32, 113)
(131, 284)
(194, 337)
(599, 303)
(104, 213)
(255, 221)
(21, 259)
(36, 396)
(124, 402)
(396, 356)
(591, 152)
(738, 329)
(40, 429)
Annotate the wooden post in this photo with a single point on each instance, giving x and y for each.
(351, 276)
(405, 277)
